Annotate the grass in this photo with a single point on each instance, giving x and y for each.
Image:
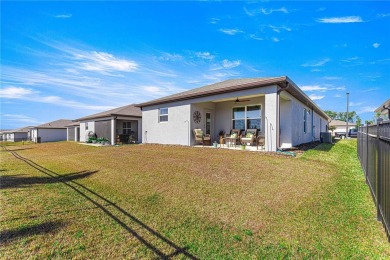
(148, 201)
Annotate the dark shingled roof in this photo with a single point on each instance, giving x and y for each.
(19, 130)
(74, 124)
(233, 85)
(340, 123)
(61, 123)
(129, 110)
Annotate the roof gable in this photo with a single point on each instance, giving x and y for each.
(129, 110)
(61, 123)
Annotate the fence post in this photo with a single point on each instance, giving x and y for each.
(378, 176)
(366, 164)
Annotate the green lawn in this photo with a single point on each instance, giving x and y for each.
(65, 200)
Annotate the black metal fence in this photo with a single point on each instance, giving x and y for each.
(374, 156)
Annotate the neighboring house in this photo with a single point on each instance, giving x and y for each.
(73, 132)
(119, 125)
(50, 132)
(282, 113)
(341, 127)
(21, 134)
(384, 110)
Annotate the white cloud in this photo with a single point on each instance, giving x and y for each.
(34, 96)
(204, 55)
(313, 88)
(230, 31)
(383, 15)
(370, 89)
(376, 45)
(152, 89)
(255, 37)
(316, 97)
(63, 16)
(366, 109)
(165, 56)
(226, 64)
(354, 104)
(18, 118)
(316, 63)
(214, 20)
(352, 59)
(270, 11)
(344, 19)
(278, 29)
(102, 61)
(275, 39)
(15, 92)
(319, 88)
(331, 78)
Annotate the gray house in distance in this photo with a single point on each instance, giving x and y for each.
(118, 125)
(21, 134)
(277, 107)
(50, 132)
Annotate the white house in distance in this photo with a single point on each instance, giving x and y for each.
(341, 127)
(21, 134)
(73, 132)
(118, 125)
(50, 132)
(280, 110)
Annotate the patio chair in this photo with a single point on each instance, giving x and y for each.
(235, 136)
(260, 142)
(201, 138)
(249, 137)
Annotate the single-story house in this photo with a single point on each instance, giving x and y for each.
(118, 125)
(21, 134)
(50, 132)
(341, 126)
(384, 110)
(73, 132)
(280, 110)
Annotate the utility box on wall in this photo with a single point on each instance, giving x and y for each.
(326, 137)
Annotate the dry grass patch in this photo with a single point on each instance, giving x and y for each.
(215, 203)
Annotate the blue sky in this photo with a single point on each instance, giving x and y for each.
(71, 59)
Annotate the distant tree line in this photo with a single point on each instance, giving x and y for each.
(352, 117)
(342, 116)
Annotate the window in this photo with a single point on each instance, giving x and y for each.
(248, 117)
(208, 123)
(86, 125)
(163, 114)
(126, 130)
(304, 119)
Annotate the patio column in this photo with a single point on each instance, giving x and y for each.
(113, 130)
(271, 121)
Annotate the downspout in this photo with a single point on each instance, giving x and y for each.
(312, 125)
(278, 112)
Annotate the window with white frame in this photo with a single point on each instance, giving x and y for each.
(163, 113)
(126, 129)
(304, 120)
(248, 117)
(86, 125)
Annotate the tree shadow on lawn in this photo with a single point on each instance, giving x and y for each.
(8, 236)
(23, 181)
(116, 213)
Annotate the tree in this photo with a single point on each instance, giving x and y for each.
(331, 114)
(369, 122)
(343, 116)
(358, 121)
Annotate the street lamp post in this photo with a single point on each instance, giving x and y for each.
(346, 134)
